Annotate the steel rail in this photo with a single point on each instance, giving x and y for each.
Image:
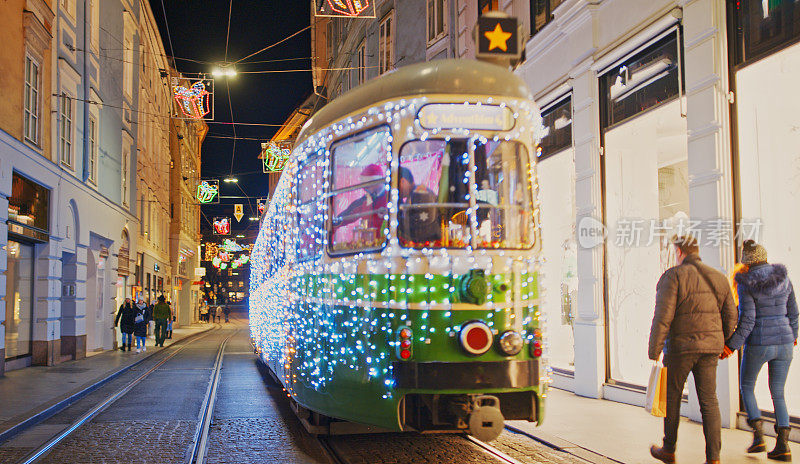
(494, 452)
(330, 451)
(200, 442)
(47, 447)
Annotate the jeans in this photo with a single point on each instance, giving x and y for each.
(161, 331)
(140, 342)
(778, 357)
(127, 339)
(704, 368)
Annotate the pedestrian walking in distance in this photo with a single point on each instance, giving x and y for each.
(170, 321)
(141, 320)
(768, 323)
(212, 312)
(125, 321)
(226, 311)
(161, 314)
(694, 315)
(204, 312)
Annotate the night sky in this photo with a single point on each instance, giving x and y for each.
(198, 32)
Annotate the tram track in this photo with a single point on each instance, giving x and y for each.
(198, 445)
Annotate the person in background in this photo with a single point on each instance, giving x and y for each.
(161, 314)
(226, 310)
(768, 326)
(204, 311)
(170, 321)
(212, 312)
(694, 315)
(125, 320)
(141, 320)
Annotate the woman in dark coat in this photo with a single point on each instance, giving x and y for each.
(768, 325)
(141, 319)
(125, 320)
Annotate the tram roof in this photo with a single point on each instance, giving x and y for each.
(450, 76)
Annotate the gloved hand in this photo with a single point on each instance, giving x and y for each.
(726, 352)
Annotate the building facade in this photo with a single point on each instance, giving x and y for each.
(185, 142)
(661, 117)
(154, 267)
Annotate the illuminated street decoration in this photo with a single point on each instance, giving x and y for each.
(194, 97)
(231, 246)
(262, 206)
(238, 211)
(222, 226)
(345, 8)
(274, 156)
(208, 191)
(498, 37)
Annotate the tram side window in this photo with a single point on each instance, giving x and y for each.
(433, 194)
(360, 192)
(310, 207)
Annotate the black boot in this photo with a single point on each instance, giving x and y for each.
(758, 445)
(781, 451)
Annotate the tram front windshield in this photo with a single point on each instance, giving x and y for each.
(435, 187)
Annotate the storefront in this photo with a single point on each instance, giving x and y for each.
(765, 73)
(555, 170)
(28, 224)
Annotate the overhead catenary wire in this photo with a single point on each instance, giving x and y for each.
(273, 45)
(166, 25)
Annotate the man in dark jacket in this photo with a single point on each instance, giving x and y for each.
(694, 315)
(161, 314)
(125, 320)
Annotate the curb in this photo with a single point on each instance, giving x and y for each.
(59, 406)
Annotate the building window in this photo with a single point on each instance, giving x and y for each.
(124, 176)
(557, 134)
(542, 13)
(487, 5)
(362, 63)
(65, 130)
(437, 22)
(762, 27)
(92, 158)
(31, 100)
(360, 192)
(127, 66)
(95, 18)
(329, 40)
(69, 7)
(386, 44)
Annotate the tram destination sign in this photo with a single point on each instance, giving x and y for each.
(461, 116)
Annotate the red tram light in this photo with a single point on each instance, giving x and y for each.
(405, 333)
(405, 354)
(476, 337)
(404, 343)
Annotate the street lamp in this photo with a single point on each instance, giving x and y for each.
(224, 70)
(230, 179)
(253, 218)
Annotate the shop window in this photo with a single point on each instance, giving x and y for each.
(360, 192)
(310, 207)
(386, 44)
(19, 279)
(28, 209)
(542, 13)
(32, 89)
(769, 174)
(650, 78)
(437, 20)
(762, 27)
(557, 134)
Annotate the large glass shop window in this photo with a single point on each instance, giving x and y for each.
(762, 27)
(647, 195)
(555, 173)
(19, 299)
(360, 192)
(768, 132)
(434, 195)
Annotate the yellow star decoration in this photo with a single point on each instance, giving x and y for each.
(498, 38)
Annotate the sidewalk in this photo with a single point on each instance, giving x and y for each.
(624, 433)
(27, 392)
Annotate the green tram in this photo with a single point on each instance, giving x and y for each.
(394, 281)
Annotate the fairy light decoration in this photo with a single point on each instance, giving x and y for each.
(274, 157)
(207, 191)
(352, 306)
(192, 100)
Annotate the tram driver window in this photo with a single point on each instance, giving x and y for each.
(360, 192)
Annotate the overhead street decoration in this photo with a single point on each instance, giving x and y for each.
(208, 191)
(498, 37)
(274, 156)
(222, 226)
(345, 8)
(238, 211)
(261, 203)
(195, 97)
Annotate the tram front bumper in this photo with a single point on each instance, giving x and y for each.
(475, 375)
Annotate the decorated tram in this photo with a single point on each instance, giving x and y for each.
(394, 281)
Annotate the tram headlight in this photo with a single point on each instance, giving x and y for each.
(511, 343)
